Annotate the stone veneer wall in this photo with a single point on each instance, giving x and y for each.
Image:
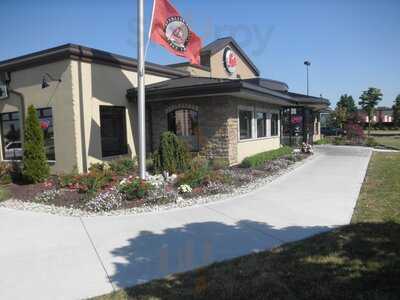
(217, 124)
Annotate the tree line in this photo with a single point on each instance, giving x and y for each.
(346, 109)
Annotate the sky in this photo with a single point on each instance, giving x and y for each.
(352, 44)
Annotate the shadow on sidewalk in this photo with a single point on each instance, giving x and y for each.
(152, 255)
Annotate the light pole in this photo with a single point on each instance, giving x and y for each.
(307, 64)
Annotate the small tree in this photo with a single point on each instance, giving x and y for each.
(369, 99)
(348, 102)
(34, 163)
(396, 111)
(172, 154)
(340, 115)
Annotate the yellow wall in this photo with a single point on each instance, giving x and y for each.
(95, 85)
(58, 96)
(75, 104)
(218, 69)
(251, 147)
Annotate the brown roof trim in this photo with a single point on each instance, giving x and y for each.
(77, 52)
(225, 87)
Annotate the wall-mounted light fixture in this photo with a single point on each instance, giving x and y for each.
(45, 84)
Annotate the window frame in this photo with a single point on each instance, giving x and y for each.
(124, 145)
(247, 109)
(277, 124)
(254, 110)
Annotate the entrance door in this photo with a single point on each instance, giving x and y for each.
(184, 123)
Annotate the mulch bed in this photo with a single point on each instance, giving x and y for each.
(73, 199)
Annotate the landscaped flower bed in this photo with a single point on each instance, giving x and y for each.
(115, 186)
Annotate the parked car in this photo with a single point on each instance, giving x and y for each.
(13, 150)
(330, 131)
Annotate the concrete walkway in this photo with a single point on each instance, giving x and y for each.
(50, 257)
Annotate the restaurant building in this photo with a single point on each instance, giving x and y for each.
(86, 103)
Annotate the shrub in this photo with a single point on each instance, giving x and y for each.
(123, 166)
(354, 133)
(90, 182)
(338, 141)
(34, 162)
(135, 189)
(5, 172)
(172, 155)
(261, 158)
(371, 142)
(219, 163)
(322, 142)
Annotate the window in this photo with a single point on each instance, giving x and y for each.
(274, 124)
(184, 123)
(113, 131)
(245, 122)
(261, 124)
(45, 116)
(11, 135)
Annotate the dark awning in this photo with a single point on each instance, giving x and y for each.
(195, 87)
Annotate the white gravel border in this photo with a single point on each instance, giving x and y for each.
(72, 212)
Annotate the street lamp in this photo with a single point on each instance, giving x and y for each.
(307, 64)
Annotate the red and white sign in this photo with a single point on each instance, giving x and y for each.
(230, 60)
(172, 32)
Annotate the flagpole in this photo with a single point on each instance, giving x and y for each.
(141, 92)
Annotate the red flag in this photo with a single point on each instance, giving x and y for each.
(172, 32)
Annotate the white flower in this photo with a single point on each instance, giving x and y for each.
(185, 188)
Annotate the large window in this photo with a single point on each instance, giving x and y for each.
(261, 124)
(113, 131)
(274, 124)
(46, 123)
(11, 136)
(245, 124)
(184, 123)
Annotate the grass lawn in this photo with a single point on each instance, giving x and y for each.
(4, 194)
(379, 200)
(358, 261)
(391, 141)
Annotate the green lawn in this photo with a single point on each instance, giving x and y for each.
(379, 200)
(4, 194)
(358, 261)
(391, 141)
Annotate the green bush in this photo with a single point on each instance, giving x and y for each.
(371, 142)
(123, 166)
(261, 158)
(34, 162)
(5, 172)
(195, 174)
(219, 163)
(322, 142)
(136, 189)
(172, 155)
(200, 173)
(338, 141)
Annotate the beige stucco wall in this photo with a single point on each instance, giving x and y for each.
(218, 69)
(195, 72)
(94, 85)
(58, 96)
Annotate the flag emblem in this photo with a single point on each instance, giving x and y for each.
(177, 33)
